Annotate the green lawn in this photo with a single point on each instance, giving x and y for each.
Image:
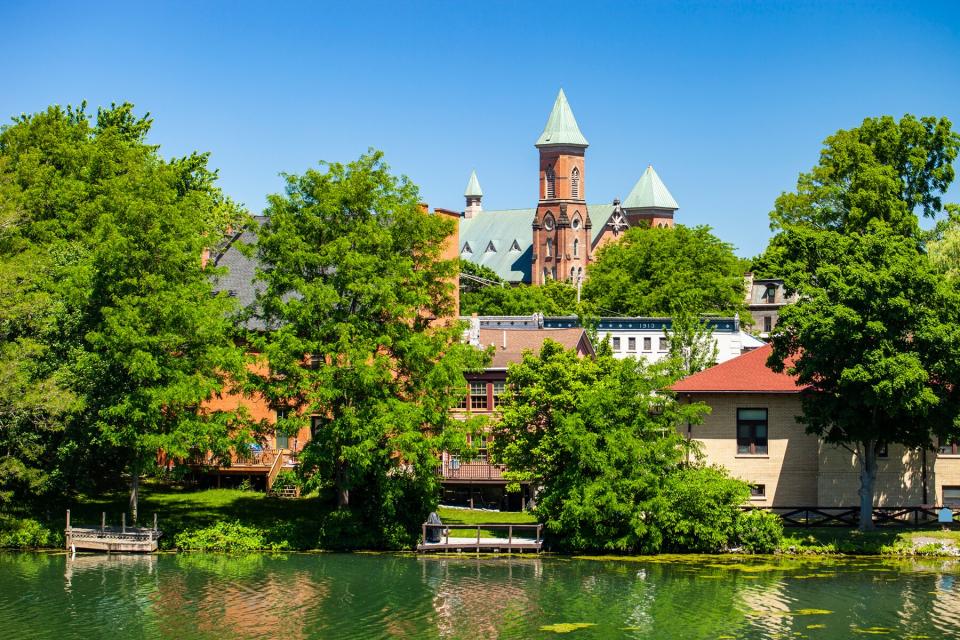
(888, 541)
(478, 516)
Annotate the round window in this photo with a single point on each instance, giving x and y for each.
(576, 223)
(548, 223)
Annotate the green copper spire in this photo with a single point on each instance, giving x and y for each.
(650, 193)
(561, 126)
(473, 185)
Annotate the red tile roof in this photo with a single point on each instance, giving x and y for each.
(520, 340)
(747, 373)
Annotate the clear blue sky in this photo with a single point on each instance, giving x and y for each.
(728, 101)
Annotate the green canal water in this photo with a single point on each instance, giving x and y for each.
(394, 596)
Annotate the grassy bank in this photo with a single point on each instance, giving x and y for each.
(210, 519)
(887, 542)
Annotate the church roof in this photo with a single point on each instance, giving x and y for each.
(510, 233)
(650, 193)
(473, 185)
(561, 126)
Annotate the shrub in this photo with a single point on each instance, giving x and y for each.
(759, 531)
(284, 479)
(702, 507)
(228, 536)
(26, 533)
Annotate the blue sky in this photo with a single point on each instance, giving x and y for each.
(728, 101)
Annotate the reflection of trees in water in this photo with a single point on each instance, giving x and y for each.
(480, 598)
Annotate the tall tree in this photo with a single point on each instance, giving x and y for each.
(597, 440)
(875, 334)
(126, 333)
(884, 170)
(657, 271)
(944, 246)
(355, 283)
(691, 344)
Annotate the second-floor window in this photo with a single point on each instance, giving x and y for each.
(770, 293)
(648, 344)
(631, 344)
(616, 344)
(461, 399)
(478, 395)
(498, 389)
(752, 431)
(663, 345)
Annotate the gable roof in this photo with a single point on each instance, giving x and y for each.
(747, 373)
(561, 128)
(520, 340)
(650, 193)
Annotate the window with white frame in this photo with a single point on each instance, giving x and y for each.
(752, 431)
(478, 395)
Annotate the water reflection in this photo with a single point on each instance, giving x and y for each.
(384, 596)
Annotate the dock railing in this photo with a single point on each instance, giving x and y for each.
(477, 540)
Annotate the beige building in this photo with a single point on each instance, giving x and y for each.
(753, 432)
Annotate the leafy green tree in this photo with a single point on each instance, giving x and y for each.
(883, 170)
(597, 440)
(944, 248)
(553, 298)
(115, 319)
(658, 271)
(875, 334)
(691, 343)
(704, 505)
(354, 277)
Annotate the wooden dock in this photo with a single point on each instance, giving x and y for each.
(122, 539)
(510, 542)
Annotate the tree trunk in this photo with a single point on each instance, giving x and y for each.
(343, 493)
(868, 476)
(134, 491)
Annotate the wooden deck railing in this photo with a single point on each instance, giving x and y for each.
(850, 516)
(510, 542)
(254, 458)
(476, 470)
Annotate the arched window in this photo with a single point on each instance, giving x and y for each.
(546, 274)
(549, 248)
(573, 273)
(551, 184)
(575, 184)
(579, 272)
(576, 247)
(553, 273)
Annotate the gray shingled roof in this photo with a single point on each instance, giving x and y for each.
(238, 281)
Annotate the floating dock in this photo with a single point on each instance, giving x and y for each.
(122, 539)
(440, 538)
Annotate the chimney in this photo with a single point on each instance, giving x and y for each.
(504, 339)
(474, 330)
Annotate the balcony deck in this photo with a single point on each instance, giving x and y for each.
(474, 471)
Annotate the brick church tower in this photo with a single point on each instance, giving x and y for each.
(561, 226)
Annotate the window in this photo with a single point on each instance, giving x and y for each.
(315, 425)
(951, 496)
(573, 273)
(553, 273)
(491, 248)
(515, 246)
(948, 447)
(883, 451)
(546, 274)
(461, 399)
(314, 361)
(616, 344)
(575, 184)
(478, 395)
(576, 247)
(648, 344)
(551, 184)
(498, 388)
(482, 448)
(767, 323)
(752, 431)
(662, 345)
(576, 220)
(758, 491)
(467, 249)
(548, 221)
(631, 344)
(770, 293)
(549, 249)
(283, 442)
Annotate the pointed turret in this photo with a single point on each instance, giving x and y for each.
(561, 126)
(473, 193)
(651, 200)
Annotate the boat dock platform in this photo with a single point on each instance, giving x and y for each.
(437, 538)
(122, 539)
